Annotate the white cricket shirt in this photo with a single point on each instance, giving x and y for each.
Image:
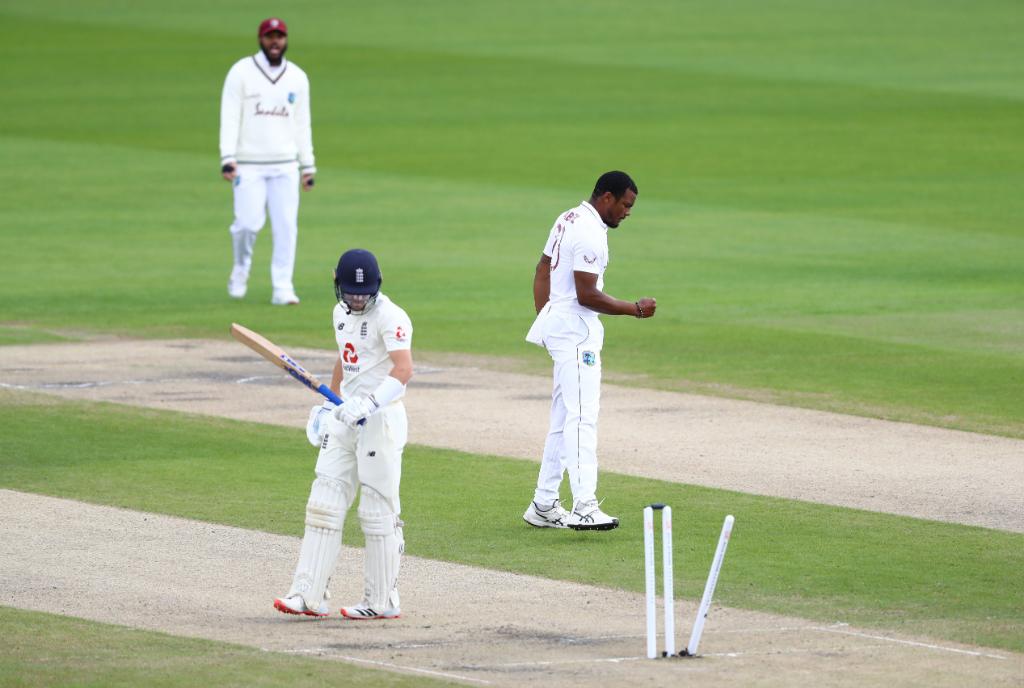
(364, 342)
(578, 242)
(265, 116)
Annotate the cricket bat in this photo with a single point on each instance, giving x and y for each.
(276, 355)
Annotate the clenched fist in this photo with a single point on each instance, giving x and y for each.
(645, 307)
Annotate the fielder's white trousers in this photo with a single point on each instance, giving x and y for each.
(259, 189)
(574, 343)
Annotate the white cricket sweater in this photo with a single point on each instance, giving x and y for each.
(265, 119)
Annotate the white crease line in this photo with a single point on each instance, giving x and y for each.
(416, 669)
(257, 378)
(780, 629)
(794, 651)
(60, 385)
(610, 660)
(840, 628)
(913, 643)
(97, 383)
(254, 378)
(152, 381)
(389, 665)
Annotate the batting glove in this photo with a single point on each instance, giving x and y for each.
(355, 410)
(316, 428)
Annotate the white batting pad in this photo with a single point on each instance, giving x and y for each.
(325, 516)
(384, 548)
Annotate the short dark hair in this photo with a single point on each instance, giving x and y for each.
(616, 182)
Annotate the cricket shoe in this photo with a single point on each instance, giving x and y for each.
(237, 284)
(587, 515)
(282, 298)
(296, 605)
(552, 517)
(364, 612)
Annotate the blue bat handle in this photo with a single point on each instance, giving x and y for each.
(326, 391)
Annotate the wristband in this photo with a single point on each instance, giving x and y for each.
(639, 310)
(386, 392)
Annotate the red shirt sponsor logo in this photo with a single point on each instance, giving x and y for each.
(349, 354)
(400, 334)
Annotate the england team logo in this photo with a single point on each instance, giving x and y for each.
(589, 358)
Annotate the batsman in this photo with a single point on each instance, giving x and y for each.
(361, 443)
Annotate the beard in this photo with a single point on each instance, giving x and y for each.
(270, 59)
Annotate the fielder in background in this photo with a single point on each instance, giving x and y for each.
(567, 293)
(361, 445)
(266, 143)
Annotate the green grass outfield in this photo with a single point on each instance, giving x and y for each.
(49, 650)
(788, 557)
(829, 214)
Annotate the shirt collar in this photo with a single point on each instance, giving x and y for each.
(268, 68)
(586, 204)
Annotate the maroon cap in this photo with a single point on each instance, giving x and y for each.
(272, 24)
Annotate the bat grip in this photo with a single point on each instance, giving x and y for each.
(326, 391)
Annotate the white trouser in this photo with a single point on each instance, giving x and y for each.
(369, 456)
(259, 189)
(574, 343)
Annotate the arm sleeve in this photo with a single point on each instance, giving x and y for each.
(397, 332)
(230, 115)
(586, 256)
(304, 132)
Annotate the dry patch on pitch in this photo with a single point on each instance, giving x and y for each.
(897, 468)
(460, 623)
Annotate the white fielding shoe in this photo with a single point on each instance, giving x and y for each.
(554, 516)
(296, 605)
(237, 287)
(588, 516)
(284, 299)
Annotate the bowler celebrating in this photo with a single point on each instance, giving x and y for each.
(266, 143)
(568, 293)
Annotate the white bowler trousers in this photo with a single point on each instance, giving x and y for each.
(574, 342)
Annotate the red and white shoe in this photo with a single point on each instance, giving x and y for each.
(296, 605)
